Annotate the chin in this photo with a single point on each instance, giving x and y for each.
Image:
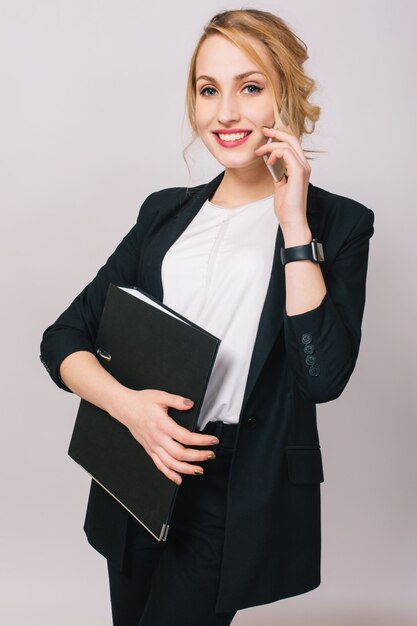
(228, 161)
(236, 164)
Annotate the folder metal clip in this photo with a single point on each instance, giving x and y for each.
(104, 355)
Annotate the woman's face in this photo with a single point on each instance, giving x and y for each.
(226, 102)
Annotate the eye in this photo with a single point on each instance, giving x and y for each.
(258, 89)
(255, 87)
(202, 92)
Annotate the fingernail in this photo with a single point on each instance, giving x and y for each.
(215, 441)
(188, 402)
(198, 473)
(211, 456)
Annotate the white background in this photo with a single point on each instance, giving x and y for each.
(92, 120)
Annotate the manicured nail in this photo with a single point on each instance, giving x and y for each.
(198, 473)
(188, 402)
(215, 441)
(211, 456)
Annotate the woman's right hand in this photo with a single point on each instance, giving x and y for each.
(144, 413)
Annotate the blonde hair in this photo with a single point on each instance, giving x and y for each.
(287, 53)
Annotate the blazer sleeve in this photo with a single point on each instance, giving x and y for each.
(331, 332)
(76, 328)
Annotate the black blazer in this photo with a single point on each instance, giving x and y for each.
(273, 534)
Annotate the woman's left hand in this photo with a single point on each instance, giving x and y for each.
(291, 192)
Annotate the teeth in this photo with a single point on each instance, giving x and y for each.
(233, 136)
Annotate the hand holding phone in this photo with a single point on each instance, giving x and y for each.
(278, 168)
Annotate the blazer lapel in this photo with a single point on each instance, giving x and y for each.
(169, 228)
(271, 319)
(168, 231)
(272, 316)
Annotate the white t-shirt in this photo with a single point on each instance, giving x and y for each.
(217, 274)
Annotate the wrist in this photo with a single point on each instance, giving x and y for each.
(118, 403)
(296, 235)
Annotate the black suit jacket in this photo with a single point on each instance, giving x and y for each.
(273, 534)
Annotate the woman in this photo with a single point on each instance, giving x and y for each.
(235, 255)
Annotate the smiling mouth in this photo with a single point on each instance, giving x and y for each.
(233, 136)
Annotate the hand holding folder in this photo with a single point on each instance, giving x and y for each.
(145, 345)
(146, 417)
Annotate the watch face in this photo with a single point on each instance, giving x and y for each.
(318, 253)
(312, 251)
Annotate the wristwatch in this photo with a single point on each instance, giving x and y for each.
(312, 251)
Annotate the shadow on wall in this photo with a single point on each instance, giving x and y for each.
(343, 617)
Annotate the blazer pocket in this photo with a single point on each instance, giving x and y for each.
(305, 464)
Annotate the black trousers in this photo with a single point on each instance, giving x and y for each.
(175, 583)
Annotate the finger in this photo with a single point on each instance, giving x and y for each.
(166, 400)
(292, 151)
(176, 478)
(175, 430)
(292, 162)
(186, 437)
(175, 465)
(290, 138)
(274, 146)
(181, 453)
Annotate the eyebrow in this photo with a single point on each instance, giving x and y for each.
(238, 77)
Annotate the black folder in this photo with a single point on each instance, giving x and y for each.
(144, 344)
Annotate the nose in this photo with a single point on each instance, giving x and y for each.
(227, 111)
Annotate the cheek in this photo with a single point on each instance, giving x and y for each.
(266, 115)
(202, 125)
(204, 110)
(263, 112)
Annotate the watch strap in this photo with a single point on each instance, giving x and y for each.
(312, 251)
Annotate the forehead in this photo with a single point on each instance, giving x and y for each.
(218, 55)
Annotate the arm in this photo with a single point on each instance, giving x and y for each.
(334, 324)
(82, 374)
(323, 313)
(68, 353)
(304, 284)
(76, 328)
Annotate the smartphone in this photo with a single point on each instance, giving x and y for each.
(278, 168)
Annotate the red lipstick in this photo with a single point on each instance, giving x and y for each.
(230, 131)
